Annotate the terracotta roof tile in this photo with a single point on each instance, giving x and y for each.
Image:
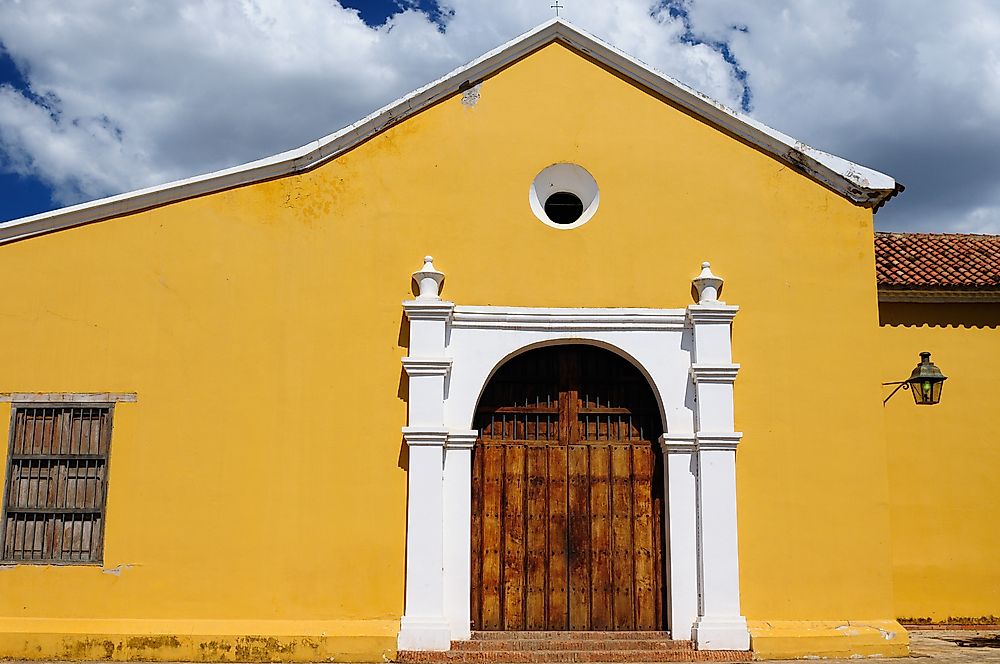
(948, 261)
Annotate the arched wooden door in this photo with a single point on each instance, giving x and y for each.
(567, 496)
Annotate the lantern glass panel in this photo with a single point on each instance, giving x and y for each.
(938, 386)
(926, 392)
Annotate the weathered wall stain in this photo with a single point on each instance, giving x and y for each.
(953, 620)
(118, 569)
(172, 648)
(471, 96)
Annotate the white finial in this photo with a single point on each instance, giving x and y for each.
(708, 285)
(429, 280)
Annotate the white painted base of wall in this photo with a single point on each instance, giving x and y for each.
(424, 634)
(721, 633)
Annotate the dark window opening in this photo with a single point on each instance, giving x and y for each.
(56, 484)
(563, 207)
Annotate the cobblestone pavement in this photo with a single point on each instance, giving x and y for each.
(947, 646)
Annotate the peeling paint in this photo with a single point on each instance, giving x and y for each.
(471, 96)
(117, 571)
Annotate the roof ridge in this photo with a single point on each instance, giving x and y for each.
(859, 184)
(935, 234)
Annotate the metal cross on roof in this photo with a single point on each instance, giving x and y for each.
(557, 7)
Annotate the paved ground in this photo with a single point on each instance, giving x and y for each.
(949, 647)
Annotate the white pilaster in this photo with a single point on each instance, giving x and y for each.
(424, 625)
(457, 531)
(679, 455)
(720, 625)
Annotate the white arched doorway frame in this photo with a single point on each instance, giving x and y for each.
(659, 365)
(685, 355)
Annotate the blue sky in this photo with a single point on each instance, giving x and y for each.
(20, 195)
(98, 97)
(375, 13)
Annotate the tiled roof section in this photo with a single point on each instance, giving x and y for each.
(939, 261)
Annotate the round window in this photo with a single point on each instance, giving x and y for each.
(564, 196)
(563, 207)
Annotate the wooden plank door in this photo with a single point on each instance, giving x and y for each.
(567, 496)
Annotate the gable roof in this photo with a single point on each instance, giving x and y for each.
(862, 186)
(946, 266)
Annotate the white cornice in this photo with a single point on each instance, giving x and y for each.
(931, 296)
(428, 309)
(433, 436)
(712, 313)
(677, 443)
(724, 440)
(862, 186)
(531, 318)
(714, 373)
(427, 366)
(462, 440)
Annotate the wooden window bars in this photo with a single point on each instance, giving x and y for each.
(56, 487)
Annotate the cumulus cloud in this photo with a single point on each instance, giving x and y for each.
(125, 95)
(909, 87)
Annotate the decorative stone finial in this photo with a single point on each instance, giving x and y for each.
(708, 285)
(429, 280)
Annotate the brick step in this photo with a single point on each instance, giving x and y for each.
(572, 656)
(653, 635)
(517, 644)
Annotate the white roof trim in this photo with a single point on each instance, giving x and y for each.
(938, 295)
(863, 186)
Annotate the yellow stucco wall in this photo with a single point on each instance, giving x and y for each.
(257, 485)
(944, 462)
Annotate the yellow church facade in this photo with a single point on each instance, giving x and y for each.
(275, 413)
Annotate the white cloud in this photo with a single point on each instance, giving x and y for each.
(145, 92)
(910, 87)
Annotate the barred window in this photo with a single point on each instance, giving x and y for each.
(56, 483)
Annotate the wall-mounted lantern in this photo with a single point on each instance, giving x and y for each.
(925, 382)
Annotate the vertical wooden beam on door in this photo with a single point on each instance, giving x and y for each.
(600, 537)
(514, 536)
(645, 572)
(621, 533)
(537, 518)
(491, 539)
(579, 538)
(558, 528)
(578, 499)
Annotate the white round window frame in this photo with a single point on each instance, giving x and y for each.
(568, 177)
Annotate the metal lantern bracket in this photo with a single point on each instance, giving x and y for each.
(925, 382)
(900, 384)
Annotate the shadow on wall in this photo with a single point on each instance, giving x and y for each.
(958, 314)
